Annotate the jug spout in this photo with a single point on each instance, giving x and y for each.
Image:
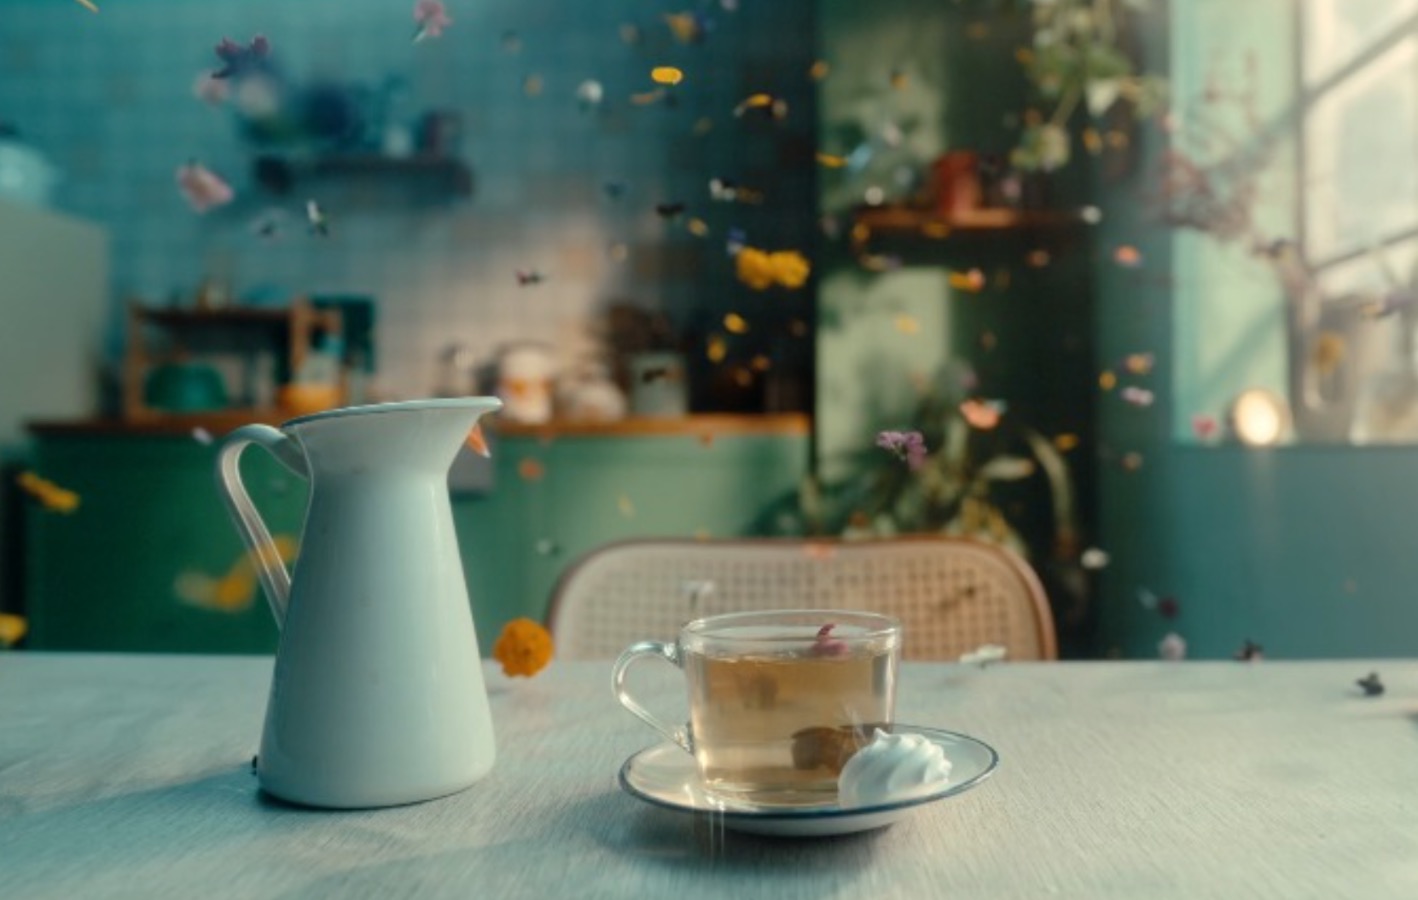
(423, 435)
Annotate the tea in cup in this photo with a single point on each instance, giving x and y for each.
(778, 701)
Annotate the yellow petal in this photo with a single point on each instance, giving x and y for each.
(666, 75)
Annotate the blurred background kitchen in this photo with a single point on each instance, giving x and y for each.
(1142, 274)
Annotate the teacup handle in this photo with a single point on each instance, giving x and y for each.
(649, 650)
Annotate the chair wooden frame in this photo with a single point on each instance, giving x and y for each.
(952, 594)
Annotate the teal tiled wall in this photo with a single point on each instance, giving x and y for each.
(109, 97)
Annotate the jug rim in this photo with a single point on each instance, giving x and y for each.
(468, 404)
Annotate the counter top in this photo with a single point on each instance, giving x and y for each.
(220, 423)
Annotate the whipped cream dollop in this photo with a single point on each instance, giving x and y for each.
(893, 767)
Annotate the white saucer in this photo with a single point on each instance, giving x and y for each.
(666, 776)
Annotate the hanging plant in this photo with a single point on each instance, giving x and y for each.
(1077, 60)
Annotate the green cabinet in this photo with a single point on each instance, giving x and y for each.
(150, 560)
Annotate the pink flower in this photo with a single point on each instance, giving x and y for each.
(827, 645)
(431, 18)
(203, 188)
(236, 59)
(906, 445)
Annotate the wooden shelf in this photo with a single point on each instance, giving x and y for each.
(446, 173)
(874, 223)
(295, 326)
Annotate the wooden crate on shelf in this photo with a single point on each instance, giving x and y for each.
(293, 327)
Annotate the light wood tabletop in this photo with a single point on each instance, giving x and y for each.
(130, 776)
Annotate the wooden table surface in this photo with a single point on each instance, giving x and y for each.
(129, 776)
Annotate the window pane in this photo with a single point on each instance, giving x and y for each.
(1336, 30)
(1381, 343)
(1361, 156)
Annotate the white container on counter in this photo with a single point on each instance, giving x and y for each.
(526, 374)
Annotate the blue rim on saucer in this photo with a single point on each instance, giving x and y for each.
(665, 776)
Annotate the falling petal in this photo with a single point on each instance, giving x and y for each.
(625, 506)
(1065, 442)
(1204, 427)
(316, 220)
(717, 348)
(211, 90)
(1371, 685)
(1007, 468)
(87, 4)
(236, 59)
(907, 324)
(818, 70)
(1250, 652)
(530, 469)
(666, 75)
(983, 414)
(1136, 396)
(50, 495)
(590, 92)
(1127, 256)
(202, 188)
(12, 627)
(972, 281)
(1107, 380)
(202, 436)
(754, 268)
(431, 18)
(1172, 648)
(735, 323)
(532, 85)
(1138, 363)
(830, 161)
(754, 101)
(790, 269)
(477, 442)
(984, 655)
(697, 227)
(1094, 558)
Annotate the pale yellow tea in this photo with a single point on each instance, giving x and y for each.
(778, 727)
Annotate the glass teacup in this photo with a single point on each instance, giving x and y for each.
(778, 701)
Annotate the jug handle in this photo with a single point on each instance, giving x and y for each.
(275, 578)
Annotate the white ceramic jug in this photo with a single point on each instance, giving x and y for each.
(377, 697)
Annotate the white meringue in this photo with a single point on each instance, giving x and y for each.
(892, 767)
